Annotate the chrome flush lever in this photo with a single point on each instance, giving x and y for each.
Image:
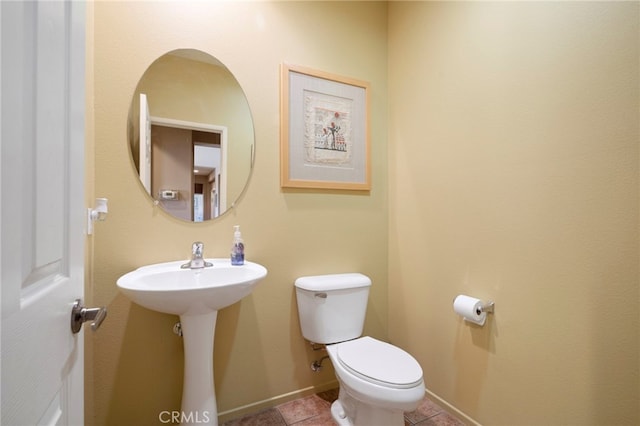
(80, 315)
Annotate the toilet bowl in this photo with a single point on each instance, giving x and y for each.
(378, 381)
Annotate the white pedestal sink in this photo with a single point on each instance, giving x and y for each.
(195, 295)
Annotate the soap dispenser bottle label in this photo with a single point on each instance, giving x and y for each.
(237, 254)
(237, 249)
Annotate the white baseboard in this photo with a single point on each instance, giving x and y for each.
(273, 401)
(254, 407)
(451, 409)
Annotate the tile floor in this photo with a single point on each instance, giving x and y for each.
(315, 410)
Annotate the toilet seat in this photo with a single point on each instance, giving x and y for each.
(379, 362)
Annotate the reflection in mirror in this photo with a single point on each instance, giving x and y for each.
(191, 135)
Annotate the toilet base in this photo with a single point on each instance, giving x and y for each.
(348, 411)
(338, 414)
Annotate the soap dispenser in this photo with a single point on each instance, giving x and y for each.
(237, 249)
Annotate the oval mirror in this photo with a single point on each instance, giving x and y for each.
(191, 135)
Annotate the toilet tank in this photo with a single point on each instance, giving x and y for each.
(332, 307)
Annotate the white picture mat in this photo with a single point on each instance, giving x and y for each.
(301, 86)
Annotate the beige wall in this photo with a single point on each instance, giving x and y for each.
(514, 176)
(134, 363)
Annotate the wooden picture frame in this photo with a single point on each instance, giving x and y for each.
(324, 125)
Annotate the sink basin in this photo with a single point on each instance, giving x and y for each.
(196, 295)
(164, 287)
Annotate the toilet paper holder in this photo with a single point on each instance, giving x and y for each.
(486, 307)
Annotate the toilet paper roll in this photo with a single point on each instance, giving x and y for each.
(470, 309)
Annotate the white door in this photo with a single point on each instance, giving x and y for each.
(42, 211)
(145, 144)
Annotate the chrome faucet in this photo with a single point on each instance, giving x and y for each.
(197, 259)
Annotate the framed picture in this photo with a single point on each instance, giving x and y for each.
(324, 141)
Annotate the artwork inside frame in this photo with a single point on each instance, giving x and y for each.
(324, 140)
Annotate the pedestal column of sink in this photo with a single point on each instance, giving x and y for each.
(198, 392)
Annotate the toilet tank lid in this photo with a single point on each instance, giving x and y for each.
(333, 282)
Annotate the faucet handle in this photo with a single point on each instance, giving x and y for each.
(197, 257)
(197, 249)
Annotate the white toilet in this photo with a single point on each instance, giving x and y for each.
(378, 381)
